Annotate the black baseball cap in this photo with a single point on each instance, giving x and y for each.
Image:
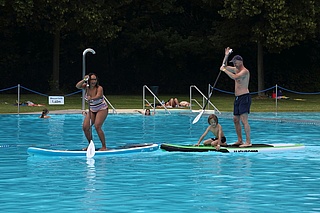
(236, 57)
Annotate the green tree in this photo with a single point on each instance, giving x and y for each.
(274, 25)
(168, 39)
(93, 20)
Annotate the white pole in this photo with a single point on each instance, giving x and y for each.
(18, 98)
(190, 95)
(84, 70)
(143, 96)
(209, 88)
(276, 98)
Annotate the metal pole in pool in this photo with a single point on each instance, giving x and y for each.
(84, 70)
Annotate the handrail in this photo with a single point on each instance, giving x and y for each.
(144, 100)
(109, 104)
(204, 98)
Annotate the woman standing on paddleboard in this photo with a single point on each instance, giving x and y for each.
(98, 108)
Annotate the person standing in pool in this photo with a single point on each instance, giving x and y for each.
(147, 112)
(242, 102)
(45, 113)
(216, 129)
(98, 108)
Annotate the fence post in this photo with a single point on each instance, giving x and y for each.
(276, 98)
(18, 98)
(190, 97)
(143, 96)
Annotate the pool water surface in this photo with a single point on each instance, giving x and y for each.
(159, 181)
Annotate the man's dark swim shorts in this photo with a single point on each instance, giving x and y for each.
(242, 104)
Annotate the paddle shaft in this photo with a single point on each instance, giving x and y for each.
(214, 85)
(91, 148)
(224, 63)
(89, 114)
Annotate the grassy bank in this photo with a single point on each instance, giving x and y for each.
(296, 103)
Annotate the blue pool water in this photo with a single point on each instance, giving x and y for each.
(159, 181)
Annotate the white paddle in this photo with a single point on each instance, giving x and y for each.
(91, 150)
(204, 107)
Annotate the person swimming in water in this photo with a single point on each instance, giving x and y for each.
(44, 113)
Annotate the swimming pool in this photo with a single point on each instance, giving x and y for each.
(159, 181)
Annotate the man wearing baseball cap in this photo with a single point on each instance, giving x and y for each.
(242, 102)
(236, 57)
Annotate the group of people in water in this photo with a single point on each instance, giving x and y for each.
(98, 107)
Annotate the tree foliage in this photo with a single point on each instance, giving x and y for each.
(277, 24)
(90, 19)
(170, 43)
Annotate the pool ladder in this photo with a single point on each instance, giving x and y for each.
(155, 100)
(204, 99)
(114, 111)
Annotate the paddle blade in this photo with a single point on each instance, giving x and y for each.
(198, 117)
(91, 150)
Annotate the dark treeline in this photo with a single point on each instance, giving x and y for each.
(169, 43)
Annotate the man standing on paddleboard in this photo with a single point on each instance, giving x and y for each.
(242, 102)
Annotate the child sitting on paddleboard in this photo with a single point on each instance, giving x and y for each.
(216, 129)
